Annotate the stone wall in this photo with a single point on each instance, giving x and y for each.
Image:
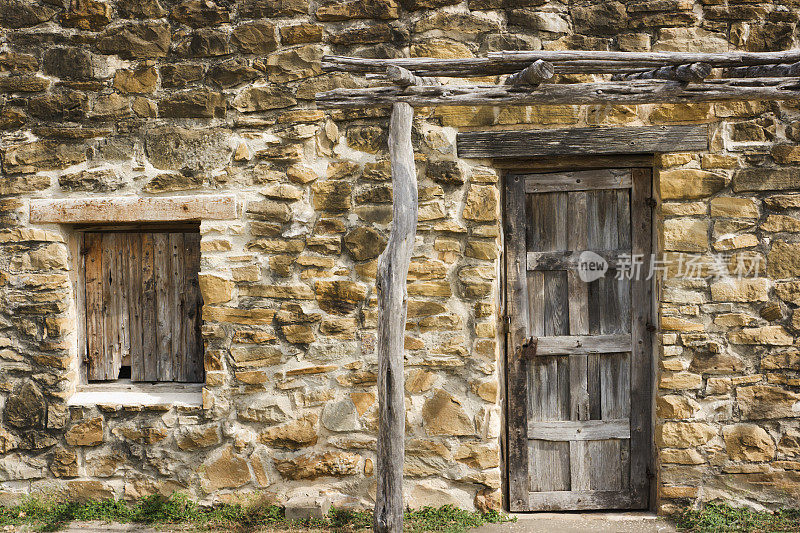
(162, 97)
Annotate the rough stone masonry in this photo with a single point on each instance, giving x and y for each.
(165, 97)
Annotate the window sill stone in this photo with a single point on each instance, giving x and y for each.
(129, 394)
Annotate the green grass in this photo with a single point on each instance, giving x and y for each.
(719, 518)
(179, 512)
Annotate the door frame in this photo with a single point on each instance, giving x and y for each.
(511, 452)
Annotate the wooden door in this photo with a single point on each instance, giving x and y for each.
(578, 352)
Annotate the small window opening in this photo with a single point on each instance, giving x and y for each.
(142, 304)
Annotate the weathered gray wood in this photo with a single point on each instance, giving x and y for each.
(693, 72)
(582, 344)
(390, 284)
(165, 316)
(610, 92)
(578, 180)
(717, 59)
(93, 279)
(549, 464)
(579, 500)
(641, 366)
(577, 239)
(177, 309)
(537, 72)
(134, 299)
(405, 78)
(190, 363)
(566, 61)
(574, 162)
(146, 368)
(518, 310)
(509, 144)
(580, 429)
(764, 71)
(569, 259)
(110, 315)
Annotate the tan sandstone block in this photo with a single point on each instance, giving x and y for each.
(685, 434)
(740, 290)
(688, 183)
(686, 234)
(726, 206)
(748, 442)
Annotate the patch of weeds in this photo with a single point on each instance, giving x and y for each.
(180, 512)
(719, 518)
(449, 519)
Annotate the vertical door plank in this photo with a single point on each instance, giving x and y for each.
(519, 482)
(640, 380)
(580, 464)
(93, 280)
(577, 239)
(549, 471)
(134, 299)
(192, 356)
(177, 302)
(123, 291)
(147, 368)
(110, 316)
(164, 305)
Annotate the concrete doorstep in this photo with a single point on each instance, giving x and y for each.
(630, 522)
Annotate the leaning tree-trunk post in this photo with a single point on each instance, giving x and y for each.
(392, 304)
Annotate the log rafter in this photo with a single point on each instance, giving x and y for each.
(612, 92)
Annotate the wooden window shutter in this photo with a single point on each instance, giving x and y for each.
(143, 305)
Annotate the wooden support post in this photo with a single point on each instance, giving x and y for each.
(539, 71)
(390, 283)
(693, 72)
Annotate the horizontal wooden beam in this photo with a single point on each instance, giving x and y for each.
(693, 72)
(716, 59)
(564, 62)
(582, 141)
(131, 209)
(580, 500)
(611, 92)
(611, 178)
(569, 260)
(566, 430)
(582, 344)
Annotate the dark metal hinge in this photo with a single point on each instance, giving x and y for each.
(651, 328)
(651, 202)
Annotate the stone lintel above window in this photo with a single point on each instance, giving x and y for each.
(127, 209)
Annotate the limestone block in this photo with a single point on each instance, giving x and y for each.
(688, 183)
(740, 290)
(293, 435)
(443, 414)
(686, 234)
(224, 470)
(134, 209)
(764, 401)
(748, 442)
(769, 335)
(726, 206)
(312, 466)
(684, 434)
(86, 433)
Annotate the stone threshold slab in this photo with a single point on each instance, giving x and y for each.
(125, 209)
